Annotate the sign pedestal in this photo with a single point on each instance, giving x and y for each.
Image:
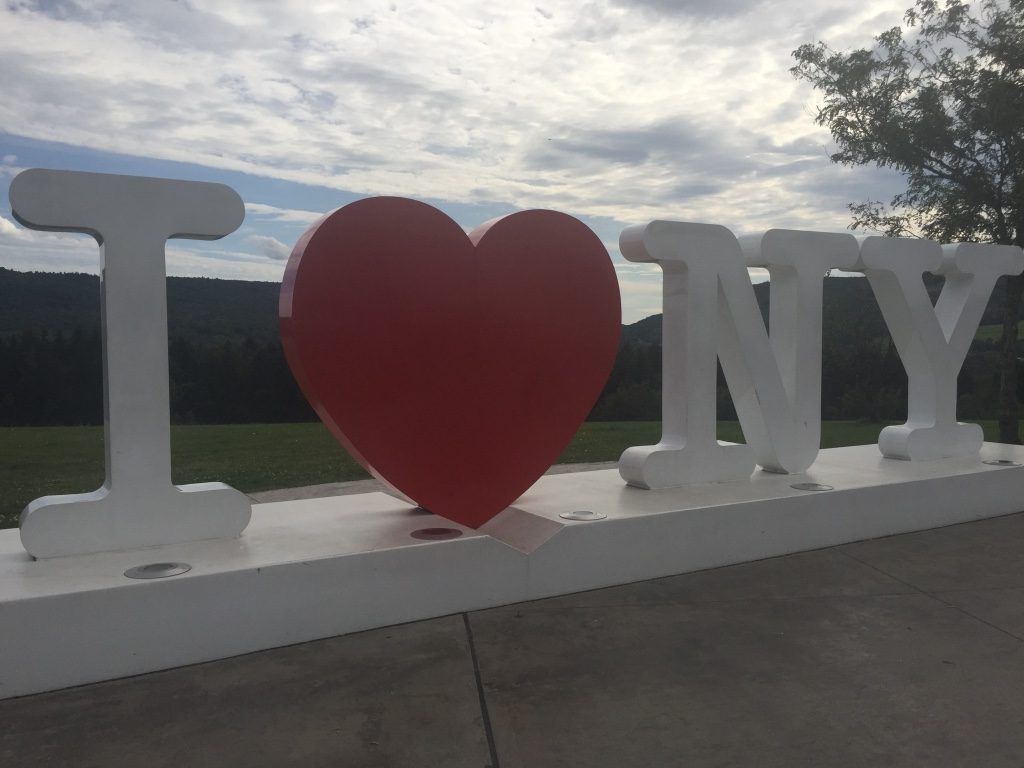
(315, 568)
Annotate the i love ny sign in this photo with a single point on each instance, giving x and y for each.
(457, 367)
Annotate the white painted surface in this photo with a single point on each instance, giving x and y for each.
(775, 381)
(322, 567)
(709, 313)
(688, 451)
(933, 341)
(132, 218)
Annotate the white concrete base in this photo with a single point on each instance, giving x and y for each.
(310, 569)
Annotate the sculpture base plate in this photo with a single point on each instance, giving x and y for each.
(315, 568)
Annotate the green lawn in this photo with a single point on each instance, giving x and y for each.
(37, 461)
(994, 332)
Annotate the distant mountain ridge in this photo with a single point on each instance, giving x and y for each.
(211, 310)
(226, 363)
(847, 302)
(201, 309)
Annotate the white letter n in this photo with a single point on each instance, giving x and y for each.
(710, 312)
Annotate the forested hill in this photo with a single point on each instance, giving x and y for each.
(227, 366)
(200, 310)
(848, 302)
(208, 311)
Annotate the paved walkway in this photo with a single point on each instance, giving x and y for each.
(905, 651)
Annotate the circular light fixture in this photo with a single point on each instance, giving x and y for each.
(811, 487)
(157, 570)
(582, 515)
(436, 534)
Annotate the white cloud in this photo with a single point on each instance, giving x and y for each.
(270, 247)
(627, 110)
(616, 110)
(274, 213)
(230, 265)
(8, 228)
(11, 233)
(29, 250)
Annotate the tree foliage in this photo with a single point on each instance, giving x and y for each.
(50, 379)
(51, 363)
(941, 100)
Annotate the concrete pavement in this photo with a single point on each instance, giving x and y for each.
(905, 651)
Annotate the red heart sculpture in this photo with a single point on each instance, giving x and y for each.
(454, 368)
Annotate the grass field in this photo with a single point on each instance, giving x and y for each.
(995, 332)
(38, 461)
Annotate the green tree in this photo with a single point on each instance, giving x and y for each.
(941, 100)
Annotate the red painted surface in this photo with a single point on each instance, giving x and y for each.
(454, 368)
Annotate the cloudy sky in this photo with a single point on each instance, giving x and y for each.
(615, 111)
